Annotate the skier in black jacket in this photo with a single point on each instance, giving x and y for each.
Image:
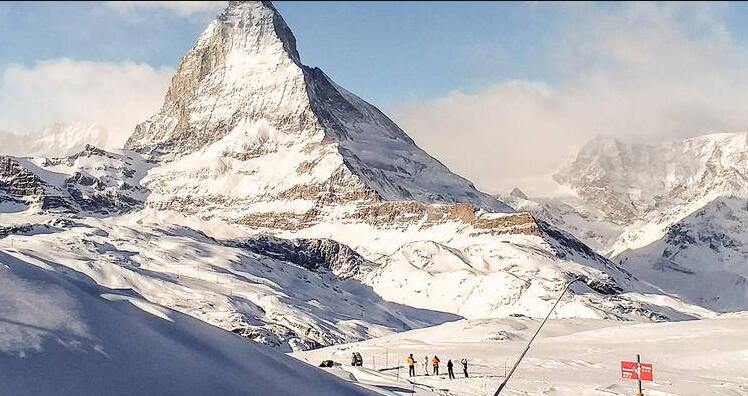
(464, 366)
(449, 369)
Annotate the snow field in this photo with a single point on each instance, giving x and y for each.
(570, 357)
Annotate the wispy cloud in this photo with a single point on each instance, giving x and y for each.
(639, 72)
(114, 95)
(180, 8)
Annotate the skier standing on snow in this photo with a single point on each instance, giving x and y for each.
(426, 364)
(435, 363)
(449, 369)
(411, 365)
(464, 366)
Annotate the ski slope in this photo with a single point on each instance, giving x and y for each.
(570, 357)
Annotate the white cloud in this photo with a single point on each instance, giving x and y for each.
(180, 8)
(116, 96)
(640, 72)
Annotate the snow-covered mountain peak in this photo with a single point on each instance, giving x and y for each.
(517, 193)
(244, 67)
(253, 26)
(243, 77)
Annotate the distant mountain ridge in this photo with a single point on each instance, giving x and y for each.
(673, 213)
(631, 180)
(56, 140)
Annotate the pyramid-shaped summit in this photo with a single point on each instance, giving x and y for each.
(243, 110)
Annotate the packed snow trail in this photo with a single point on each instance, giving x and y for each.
(62, 336)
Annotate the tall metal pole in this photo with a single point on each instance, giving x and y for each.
(527, 348)
(639, 374)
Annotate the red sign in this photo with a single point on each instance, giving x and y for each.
(634, 370)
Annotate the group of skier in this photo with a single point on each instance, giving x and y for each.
(435, 366)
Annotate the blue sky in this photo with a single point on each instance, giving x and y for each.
(387, 52)
(428, 48)
(393, 51)
(507, 78)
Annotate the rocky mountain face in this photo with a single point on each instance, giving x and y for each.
(671, 213)
(572, 214)
(341, 227)
(93, 182)
(701, 257)
(313, 254)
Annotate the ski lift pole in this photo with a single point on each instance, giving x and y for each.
(527, 348)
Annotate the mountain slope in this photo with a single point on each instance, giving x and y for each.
(700, 258)
(572, 214)
(291, 302)
(569, 357)
(60, 336)
(93, 182)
